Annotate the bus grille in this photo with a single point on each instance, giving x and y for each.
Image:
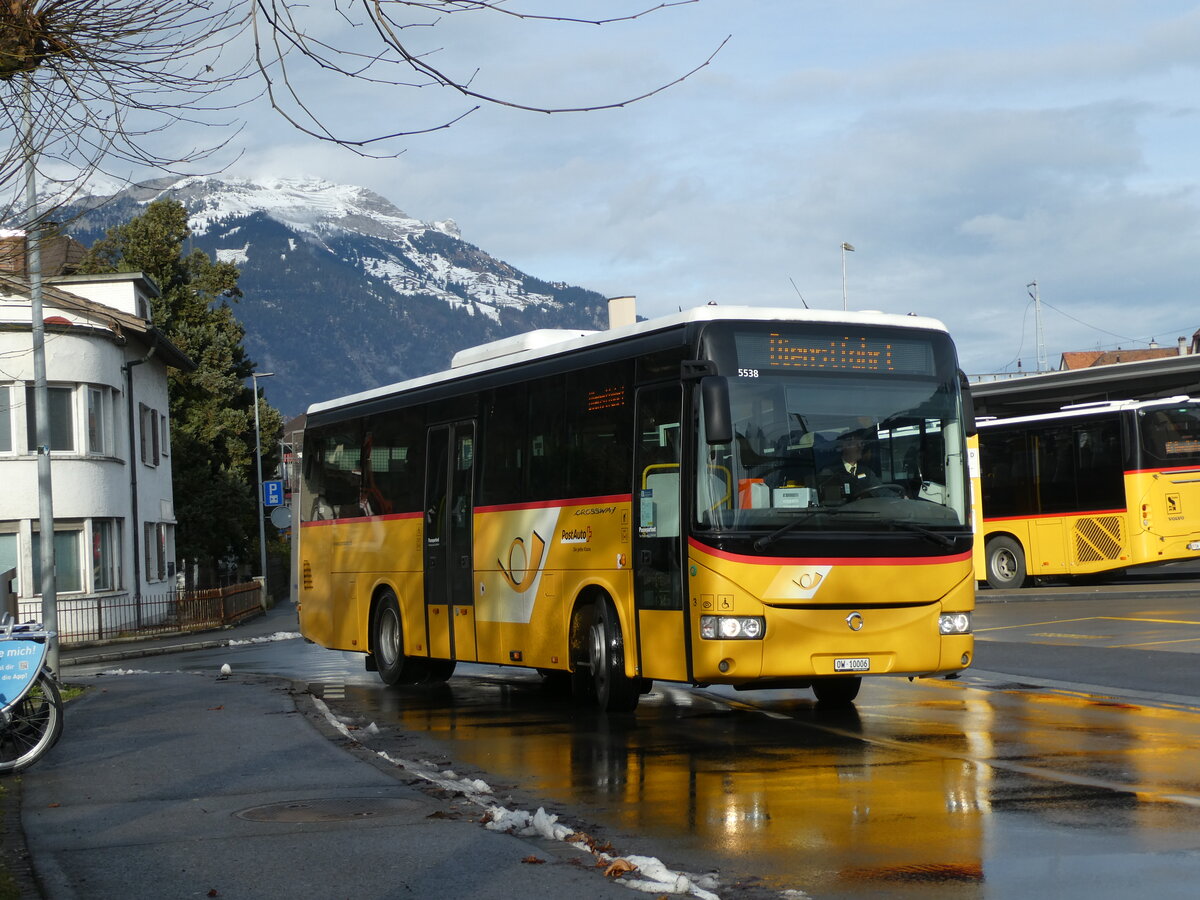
(1099, 539)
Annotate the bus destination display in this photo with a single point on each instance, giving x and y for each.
(844, 353)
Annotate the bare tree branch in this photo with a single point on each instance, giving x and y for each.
(106, 82)
(401, 64)
(101, 78)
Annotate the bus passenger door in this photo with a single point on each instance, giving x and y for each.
(449, 525)
(658, 535)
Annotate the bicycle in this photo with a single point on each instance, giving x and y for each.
(31, 719)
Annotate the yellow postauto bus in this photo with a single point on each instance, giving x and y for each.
(1089, 488)
(758, 498)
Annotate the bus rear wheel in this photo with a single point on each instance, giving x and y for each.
(614, 690)
(1005, 564)
(837, 692)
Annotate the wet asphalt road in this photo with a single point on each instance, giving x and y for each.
(1064, 765)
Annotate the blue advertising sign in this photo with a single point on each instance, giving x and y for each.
(272, 493)
(20, 662)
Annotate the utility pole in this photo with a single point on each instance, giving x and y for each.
(262, 527)
(845, 247)
(41, 395)
(1043, 365)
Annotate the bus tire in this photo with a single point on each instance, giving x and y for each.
(387, 644)
(1005, 564)
(583, 690)
(615, 691)
(837, 692)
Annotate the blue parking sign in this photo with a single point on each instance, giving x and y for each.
(272, 493)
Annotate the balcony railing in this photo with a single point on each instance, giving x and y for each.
(121, 616)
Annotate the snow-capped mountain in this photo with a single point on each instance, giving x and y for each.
(343, 290)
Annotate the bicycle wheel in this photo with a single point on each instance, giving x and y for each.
(34, 725)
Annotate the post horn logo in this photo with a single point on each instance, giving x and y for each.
(855, 621)
(522, 562)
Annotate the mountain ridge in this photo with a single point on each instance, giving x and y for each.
(343, 291)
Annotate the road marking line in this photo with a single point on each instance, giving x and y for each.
(1090, 619)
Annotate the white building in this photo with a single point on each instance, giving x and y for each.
(114, 512)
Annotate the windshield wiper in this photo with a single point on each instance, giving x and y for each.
(767, 539)
(936, 536)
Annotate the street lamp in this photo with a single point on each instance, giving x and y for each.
(262, 528)
(845, 247)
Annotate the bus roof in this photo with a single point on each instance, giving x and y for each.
(553, 342)
(1080, 410)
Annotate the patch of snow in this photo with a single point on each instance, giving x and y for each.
(267, 639)
(652, 876)
(234, 255)
(656, 878)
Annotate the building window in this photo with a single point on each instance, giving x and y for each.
(148, 554)
(67, 567)
(150, 447)
(156, 535)
(160, 547)
(106, 554)
(8, 558)
(62, 419)
(5, 419)
(100, 421)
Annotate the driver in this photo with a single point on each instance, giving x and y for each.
(852, 475)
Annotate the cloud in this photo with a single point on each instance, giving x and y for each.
(964, 150)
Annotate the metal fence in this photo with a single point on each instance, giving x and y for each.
(113, 617)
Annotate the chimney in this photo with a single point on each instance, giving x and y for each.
(622, 311)
(1182, 343)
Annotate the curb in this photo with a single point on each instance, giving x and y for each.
(140, 652)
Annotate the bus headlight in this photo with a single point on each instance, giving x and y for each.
(954, 623)
(732, 628)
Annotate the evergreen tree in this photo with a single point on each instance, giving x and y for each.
(212, 408)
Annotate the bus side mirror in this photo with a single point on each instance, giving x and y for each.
(718, 421)
(968, 404)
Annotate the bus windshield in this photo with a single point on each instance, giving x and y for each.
(825, 451)
(1170, 436)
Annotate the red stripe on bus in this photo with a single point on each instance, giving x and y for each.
(554, 504)
(828, 561)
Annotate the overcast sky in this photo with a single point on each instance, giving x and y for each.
(964, 149)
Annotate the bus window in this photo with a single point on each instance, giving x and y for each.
(598, 432)
(393, 461)
(504, 454)
(546, 439)
(333, 471)
(1170, 436)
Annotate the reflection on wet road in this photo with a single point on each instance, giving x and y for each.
(931, 789)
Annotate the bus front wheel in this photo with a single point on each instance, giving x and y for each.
(387, 645)
(1005, 564)
(615, 691)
